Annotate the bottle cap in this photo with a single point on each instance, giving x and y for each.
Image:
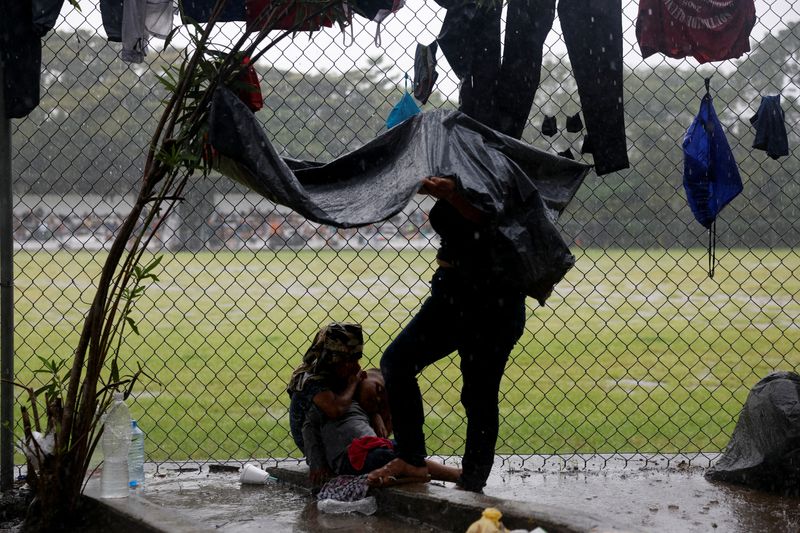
(133, 423)
(119, 396)
(492, 514)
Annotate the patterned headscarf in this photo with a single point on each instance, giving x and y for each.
(334, 344)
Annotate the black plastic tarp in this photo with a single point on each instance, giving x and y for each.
(764, 451)
(521, 189)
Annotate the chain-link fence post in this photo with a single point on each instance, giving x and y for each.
(6, 299)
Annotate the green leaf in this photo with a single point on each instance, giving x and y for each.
(114, 371)
(43, 388)
(170, 35)
(133, 325)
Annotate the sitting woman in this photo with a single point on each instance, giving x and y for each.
(356, 443)
(328, 378)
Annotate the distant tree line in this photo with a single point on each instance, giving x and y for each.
(93, 126)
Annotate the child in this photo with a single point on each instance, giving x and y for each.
(353, 444)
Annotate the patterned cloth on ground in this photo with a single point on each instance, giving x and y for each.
(345, 489)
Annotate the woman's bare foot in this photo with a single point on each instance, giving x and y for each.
(393, 471)
(443, 472)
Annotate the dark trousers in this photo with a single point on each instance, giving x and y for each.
(500, 92)
(483, 324)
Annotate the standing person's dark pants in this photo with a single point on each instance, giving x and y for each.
(483, 323)
(500, 93)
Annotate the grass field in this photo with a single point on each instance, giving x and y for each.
(635, 351)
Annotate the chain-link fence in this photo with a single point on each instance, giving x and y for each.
(638, 350)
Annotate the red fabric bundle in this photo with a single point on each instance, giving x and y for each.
(296, 12)
(250, 92)
(358, 449)
(708, 30)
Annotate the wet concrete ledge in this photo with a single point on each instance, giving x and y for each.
(135, 514)
(453, 510)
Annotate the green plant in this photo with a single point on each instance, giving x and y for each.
(59, 461)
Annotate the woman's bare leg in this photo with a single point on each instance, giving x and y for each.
(443, 472)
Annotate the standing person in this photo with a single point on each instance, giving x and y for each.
(471, 309)
(328, 379)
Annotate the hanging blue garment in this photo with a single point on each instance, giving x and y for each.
(403, 110)
(769, 122)
(710, 174)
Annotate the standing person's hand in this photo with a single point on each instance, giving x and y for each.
(444, 188)
(438, 187)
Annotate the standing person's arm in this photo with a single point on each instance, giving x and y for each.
(318, 469)
(443, 188)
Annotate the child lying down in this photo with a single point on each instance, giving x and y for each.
(356, 443)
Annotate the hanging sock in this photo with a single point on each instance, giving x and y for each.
(710, 174)
(769, 122)
(549, 126)
(425, 74)
(586, 147)
(574, 123)
(567, 153)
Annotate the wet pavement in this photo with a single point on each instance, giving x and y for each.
(641, 498)
(219, 502)
(653, 498)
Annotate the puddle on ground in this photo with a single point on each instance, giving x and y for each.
(221, 503)
(653, 499)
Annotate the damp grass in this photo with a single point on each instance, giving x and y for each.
(637, 350)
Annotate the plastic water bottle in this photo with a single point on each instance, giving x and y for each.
(365, 506)
(136, 457)
(116, 441)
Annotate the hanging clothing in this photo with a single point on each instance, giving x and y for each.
(132, 22)
(769, 122)
(23, 24)
(111, 13)
(134, 31)
(45, 14)
(200, 11)
(710, 174)
(425, 74)
(500, 91)
(297, 12)
(704, 29)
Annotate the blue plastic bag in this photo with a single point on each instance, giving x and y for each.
(403, 110)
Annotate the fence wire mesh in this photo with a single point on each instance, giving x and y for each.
(637, 351)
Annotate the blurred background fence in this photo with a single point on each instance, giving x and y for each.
(637, 351)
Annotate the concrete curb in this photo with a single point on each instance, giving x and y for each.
(136, 514)
(454, 510)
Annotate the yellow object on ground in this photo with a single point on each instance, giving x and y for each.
(489, 522)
